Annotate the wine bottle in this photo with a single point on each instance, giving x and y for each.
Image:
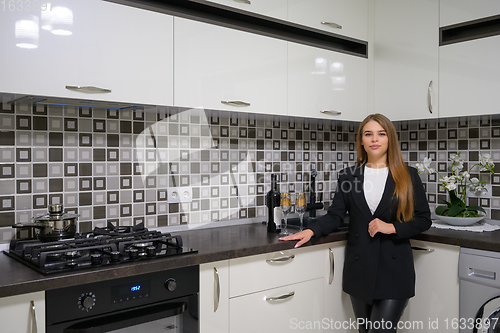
(273, 198)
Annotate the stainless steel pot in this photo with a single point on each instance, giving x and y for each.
(53, 226)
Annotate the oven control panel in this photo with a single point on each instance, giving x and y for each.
(107, 296)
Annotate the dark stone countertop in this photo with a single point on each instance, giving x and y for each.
(213, 244)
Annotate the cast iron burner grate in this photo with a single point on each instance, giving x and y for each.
(101, 247)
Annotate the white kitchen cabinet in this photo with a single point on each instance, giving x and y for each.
(337, 304)
(272, 8)
(23, 313)
(404, 59)
(290, 308)
(437, 288)
(275, 269)
(468, 77)
(276, 292)
(226, 69)
(347, 18)
(458, 11)
(322, 80)
(214, 297)
(88, 43)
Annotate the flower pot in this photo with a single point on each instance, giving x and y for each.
(461, 221)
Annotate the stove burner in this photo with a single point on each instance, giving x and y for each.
(104, 246)
(112, 230)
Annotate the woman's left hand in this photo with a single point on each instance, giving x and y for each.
(377, 225)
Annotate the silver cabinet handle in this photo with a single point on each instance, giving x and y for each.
(429, 97)
(235, 103)
(331, 112)
(332, 267)
(216, 289)
(89, 89)
(332, 25)
(243, 1)
(282, 259)
(482, 274)
(417, 248)
(33, 318)
(278, 298)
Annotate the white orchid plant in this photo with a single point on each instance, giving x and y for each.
(456, 206)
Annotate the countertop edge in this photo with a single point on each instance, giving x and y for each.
(213, 244)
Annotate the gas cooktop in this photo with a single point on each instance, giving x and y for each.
(101, 247)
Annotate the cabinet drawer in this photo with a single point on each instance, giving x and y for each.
(273, 8)
(270, 270)
(347, 18)
(285, 313)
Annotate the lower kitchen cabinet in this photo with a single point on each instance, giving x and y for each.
(435, 305)
(337, 305)
(214, 297)
(291, 308)
(23, 313)
(326, 84)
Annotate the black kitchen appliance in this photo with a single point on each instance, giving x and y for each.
(101, 247)
(155, 302)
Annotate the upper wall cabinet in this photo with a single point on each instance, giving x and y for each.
(405, 58)
(272, 8)
(326, 84)
(347, 18)
(468, 74)
(226, 69)
(117, 53)
(458, 11)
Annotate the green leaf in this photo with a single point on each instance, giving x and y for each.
(447, 203)
(475, 208)
(455, 201)
(440, 210)
(455, 210)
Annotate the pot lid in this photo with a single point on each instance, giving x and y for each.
(56, 213)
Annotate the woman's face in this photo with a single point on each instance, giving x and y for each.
(375, 142)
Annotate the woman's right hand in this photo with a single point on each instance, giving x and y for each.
(302, 237)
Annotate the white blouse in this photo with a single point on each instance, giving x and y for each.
(374, 185)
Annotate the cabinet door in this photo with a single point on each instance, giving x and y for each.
(468, 75)
(347, 18)
(88, 43)
(405, 58)
(271, 270)
(214, 297)
(290, 308)
(215, 65)
(272, 8)
(437, 288)
(322, 80)
(23, 313)
(458, 11)
(337, 304)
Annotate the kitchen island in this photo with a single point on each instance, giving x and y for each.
(213, 244)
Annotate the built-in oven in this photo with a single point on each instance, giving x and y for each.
(156, 302)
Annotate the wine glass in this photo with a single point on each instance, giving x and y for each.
(286, 207)
(300, 207)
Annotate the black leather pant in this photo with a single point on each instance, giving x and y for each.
(380, 316)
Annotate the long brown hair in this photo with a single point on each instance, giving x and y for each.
(403, 190)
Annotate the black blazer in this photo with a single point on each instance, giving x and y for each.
(380, 267)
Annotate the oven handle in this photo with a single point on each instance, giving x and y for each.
(127, 318)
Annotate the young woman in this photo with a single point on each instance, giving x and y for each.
(387, 205)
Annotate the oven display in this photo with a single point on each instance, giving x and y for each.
(130, 291)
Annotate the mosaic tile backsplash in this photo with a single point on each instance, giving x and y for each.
(120, 166)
